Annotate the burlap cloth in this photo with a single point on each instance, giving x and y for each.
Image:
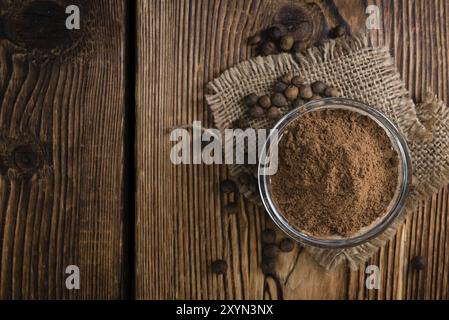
(360, 72)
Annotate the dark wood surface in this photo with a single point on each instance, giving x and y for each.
(62, 150)
(65, 187)
(181, 223)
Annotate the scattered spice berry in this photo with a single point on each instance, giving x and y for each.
(270, 251)
(275, 33)
(219, 266)
(268, 48)
(280, 87)
(291, 93)
(232, 208)
(254, 40)
(319, 87)
(299, 46)
(279, 100)
(241, 124)
(268, 266)
(297, 81)
(419, 263)
(339, 31)
(268, 236)
(228, 186)
(286, 245)
(286, 78)
(257, 112)
(293, 38)
(265, 102)
(306, 92)
(286, 43)
(297, 103)
(332, 92)
(251, 99)
(274, 113)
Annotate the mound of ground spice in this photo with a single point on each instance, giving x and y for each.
(337, 173)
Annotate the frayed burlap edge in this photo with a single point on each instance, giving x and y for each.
(434, 115)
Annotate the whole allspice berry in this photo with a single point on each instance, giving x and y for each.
(418, 263)
(306, 92)
(286, 245)
(286, 43)
(219, 267)
(297, 81)
(299, 46)
(319, 87)
(257, 112)
(275, 33)
(228, 186)
(241, 124)
(291, 93)
(251, 99)
(268, 266)
(286, 78)
(279, 100)
(298, 103)
(254, 40)
(268, 236)
(270, 251)
(339, 31)
(280, 87)
(265, 102)
(268, 48)
(332, 92)
(274, 113)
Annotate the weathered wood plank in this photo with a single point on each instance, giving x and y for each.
(62, 149)
(180, 227)
(181, 224)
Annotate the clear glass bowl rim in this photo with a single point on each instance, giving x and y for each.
(398, 141)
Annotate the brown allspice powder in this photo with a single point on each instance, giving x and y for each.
(337, 173)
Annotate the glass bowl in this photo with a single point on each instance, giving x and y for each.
(393, 210)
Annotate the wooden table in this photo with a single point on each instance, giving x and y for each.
(86, 177)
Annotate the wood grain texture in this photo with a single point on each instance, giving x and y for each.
(181, 225)
(62, 150)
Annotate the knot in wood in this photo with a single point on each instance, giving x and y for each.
(26, 158)
(38, 25)
(23, 156)
(305, 22)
